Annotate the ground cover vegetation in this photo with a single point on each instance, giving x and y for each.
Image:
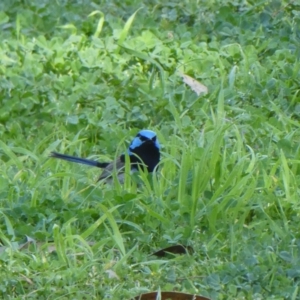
(82, 77)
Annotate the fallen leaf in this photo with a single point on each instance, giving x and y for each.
(112, 274)
(169, 296)
(175, 249)
(195, 85)
(28, 280)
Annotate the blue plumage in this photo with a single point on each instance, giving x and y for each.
(142, 137)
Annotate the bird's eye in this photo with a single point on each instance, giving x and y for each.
(142, 138)
(153, 139)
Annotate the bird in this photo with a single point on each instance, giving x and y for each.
(143, 152)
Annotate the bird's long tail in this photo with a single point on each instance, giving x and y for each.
(79, 160)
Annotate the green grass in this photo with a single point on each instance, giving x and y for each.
(82, 78)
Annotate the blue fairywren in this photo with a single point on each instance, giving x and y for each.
(144, 151)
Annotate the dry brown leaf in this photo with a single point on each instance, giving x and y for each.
(194, 84)
(169, 296)
(28, 280)
(112, 274)
(175, 249)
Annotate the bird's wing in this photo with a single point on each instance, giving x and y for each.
(117, 165)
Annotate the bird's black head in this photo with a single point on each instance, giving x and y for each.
(144, 150)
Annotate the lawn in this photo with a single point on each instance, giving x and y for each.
(82, 78)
